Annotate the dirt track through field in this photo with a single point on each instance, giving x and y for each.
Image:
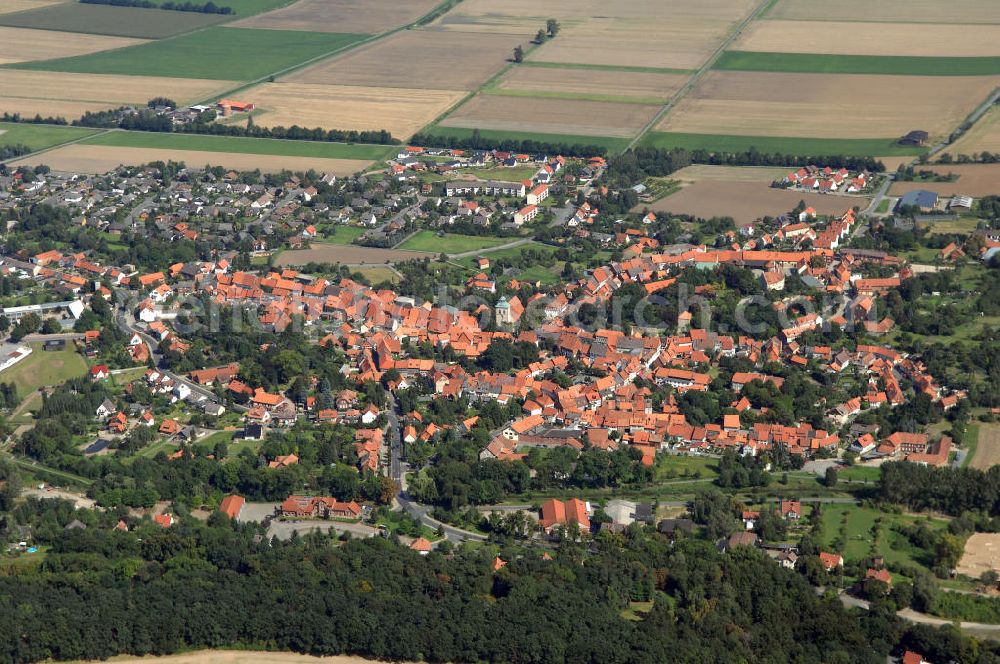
(988, 450)
(102, 158)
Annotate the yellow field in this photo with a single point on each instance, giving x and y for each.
(102, 158)
(982, 553)
(983, 136)
(825, 105)
(358, 16)
(973, 180)
(866, 38)
(70, 95)
(402, 112)
(23, 44)
(555, 116)
(704, 172)
(11, 6)
(892, 11)
(416, 59)
(988, 448)
(647, 33)
(640, 85)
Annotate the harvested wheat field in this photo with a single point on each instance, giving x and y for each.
(988, 450)
(348, 255)
(982, 553)
(357, 16)
(891, 11)
(70, 95)
(893, 163)
(239, 657)
(25, 44)
(624, 84)
(11, 6)
(973, 180)
(748, 201)
(416, 59)
(866, 38)
(552, 116)
(983, 136)
(81, 158)
(400, 111)
(704, 172)
(826, 105)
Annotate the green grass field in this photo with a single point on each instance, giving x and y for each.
(44, 369)
(859, 544)
(231, 54)
(859, 474)
(609, 143)
(39, 137)
(341, 234)
(858, 147)
(857, 64)
(451, 243)
(240, 144)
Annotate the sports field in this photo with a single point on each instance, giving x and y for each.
(215, 53)
(870, 39)
(555, 116)
(817, 106)
(825, 63)
(361, 16)
(242, 145)
(70, 95)
(451, 243)
(39, 137)
(400, 111)
(81, 158)
(783, 144)
(24, 44)
(982, 136)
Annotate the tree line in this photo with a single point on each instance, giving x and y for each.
(477, 141)
(207, 8)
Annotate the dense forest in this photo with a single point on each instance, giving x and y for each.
(101, 591)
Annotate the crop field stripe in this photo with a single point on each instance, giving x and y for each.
(857, 64)
(612, 144)
(638, 70)
(886, 147)
(41, 137)
(241, 145)
(216, 53)
(571, 96)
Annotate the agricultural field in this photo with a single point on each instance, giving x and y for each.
(243, 145)
(433, 61)
(785, 144)
(24, 44)
(364, 16)
(984, 136)
(348, 255)
(552, 116)
(66, 95)
(890, 11)
(822, 63)
(215, 53)
(400, 111)
(40, 137)
(41, 369)
(451, 243)
(111, 21)
(83, 158)
(982, 553)
(973, 180)
(988, 448)
(594, 84)
(870, 39)
(11, 6)
(813, 105)
(747, 201)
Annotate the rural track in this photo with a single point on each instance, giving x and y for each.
(499, 247)
(758, 11)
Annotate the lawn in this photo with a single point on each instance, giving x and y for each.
(857, 64)
(240, 144)
(451, 243)
(43, 368)
(883, 206)
(675, 467)
(859, 543)
(341, 234)
(539, 273)
(39, 137)
(868, 474)
(377, 275)
(852, 147)
(609, 143)
(217, 53)
(512, 253)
